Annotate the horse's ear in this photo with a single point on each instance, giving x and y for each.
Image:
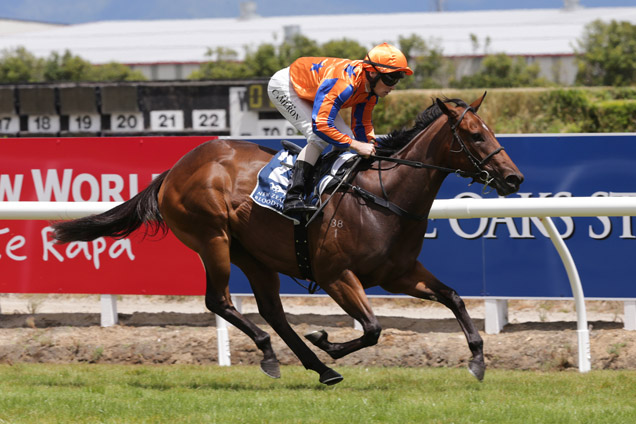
(445, 110)
(452, 115)
(475, 105)
(441, 105)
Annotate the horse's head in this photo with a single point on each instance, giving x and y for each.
(476, 151)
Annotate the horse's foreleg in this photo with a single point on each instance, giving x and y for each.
(422, 284)
(216, 259)
(349, 294)
(266, 286)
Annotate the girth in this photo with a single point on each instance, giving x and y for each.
(302, 249)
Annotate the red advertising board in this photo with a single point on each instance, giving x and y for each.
(90, 169)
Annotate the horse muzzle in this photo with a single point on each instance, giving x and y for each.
(508, 184)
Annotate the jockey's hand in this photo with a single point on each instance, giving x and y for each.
(363, 149)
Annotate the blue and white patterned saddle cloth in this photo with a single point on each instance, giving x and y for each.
(273, 180)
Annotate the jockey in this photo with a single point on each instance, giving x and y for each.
(310, 94)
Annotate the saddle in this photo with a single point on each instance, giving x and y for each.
(323, 168)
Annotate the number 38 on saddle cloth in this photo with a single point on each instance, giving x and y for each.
(273, 178)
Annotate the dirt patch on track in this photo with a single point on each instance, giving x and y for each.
(190, 338)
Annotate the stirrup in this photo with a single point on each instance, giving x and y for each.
(297, 206)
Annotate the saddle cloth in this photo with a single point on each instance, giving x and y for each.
(273, 180)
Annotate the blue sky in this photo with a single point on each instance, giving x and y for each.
(78, 11)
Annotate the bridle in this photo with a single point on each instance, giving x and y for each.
(480, 174)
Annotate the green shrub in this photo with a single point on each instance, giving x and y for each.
(616, 116)
(524, 110)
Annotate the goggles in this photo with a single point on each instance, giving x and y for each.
(392, 78)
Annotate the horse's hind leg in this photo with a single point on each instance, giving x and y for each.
(216, 259)
(266, 287)
(422, 284)
(348, 292)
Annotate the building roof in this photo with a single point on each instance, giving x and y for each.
(515, 32)
(9, 26)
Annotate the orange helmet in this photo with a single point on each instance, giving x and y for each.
(385, 58)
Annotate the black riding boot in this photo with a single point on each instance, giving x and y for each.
(295, 199)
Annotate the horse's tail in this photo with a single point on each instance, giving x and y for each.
(118, 222)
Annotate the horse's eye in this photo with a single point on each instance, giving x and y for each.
(477, 137)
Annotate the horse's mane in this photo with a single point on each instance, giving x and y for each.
(397, 139)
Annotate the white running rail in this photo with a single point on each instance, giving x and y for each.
(543, 208)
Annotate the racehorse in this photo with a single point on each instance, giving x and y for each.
(354, 244)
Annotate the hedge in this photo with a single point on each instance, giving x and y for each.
(523, 110)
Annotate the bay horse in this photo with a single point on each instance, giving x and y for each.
(354, 244)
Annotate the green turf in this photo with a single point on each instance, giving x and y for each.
(34, 393)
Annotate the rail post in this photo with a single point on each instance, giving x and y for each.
(223, 342)
(108, 304)
(577, 291)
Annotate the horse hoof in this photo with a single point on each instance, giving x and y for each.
(330, 377)
(477, 370)
(316, 337)
(271, 368)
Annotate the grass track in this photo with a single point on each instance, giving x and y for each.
(36, 393)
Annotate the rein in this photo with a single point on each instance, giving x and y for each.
(481, 174)
(416, 164)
